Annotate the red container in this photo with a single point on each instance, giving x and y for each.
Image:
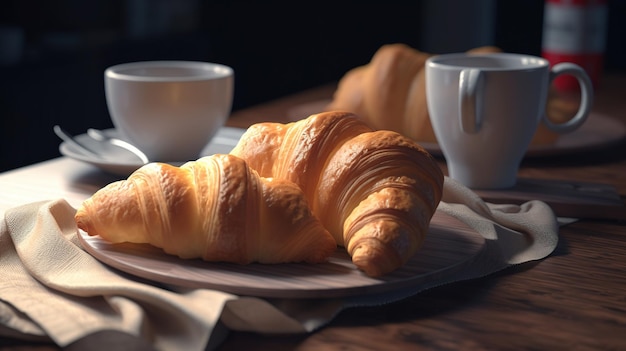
(575, 31)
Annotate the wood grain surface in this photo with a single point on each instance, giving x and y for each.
(567, 198)
(573, 300)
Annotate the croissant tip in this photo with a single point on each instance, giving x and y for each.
(374, 264)
(323, 255)
(370, 270)
(83, 222)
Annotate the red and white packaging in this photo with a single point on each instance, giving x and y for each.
(575, 31)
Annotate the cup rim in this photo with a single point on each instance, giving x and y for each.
(210, 71)
(525, 61)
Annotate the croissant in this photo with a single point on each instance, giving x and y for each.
(375, 191)
(216, 208)
(389, 92)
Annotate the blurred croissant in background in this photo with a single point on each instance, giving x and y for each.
(389, 92)
(375, 191)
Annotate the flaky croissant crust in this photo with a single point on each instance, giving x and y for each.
(216, 208)
(374, 190)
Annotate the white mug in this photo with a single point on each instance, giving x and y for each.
(169, 109)
(485, 109)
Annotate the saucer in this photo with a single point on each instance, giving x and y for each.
(121, 162)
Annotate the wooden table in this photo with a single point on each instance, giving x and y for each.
(574, 299)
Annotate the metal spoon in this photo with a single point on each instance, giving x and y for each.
(101, 136)
(68, 138)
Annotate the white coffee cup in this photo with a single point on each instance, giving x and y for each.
(485, 109)
(169, 109)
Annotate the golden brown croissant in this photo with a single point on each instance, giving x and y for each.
(375, 191)
(389, 92)
(215, 208)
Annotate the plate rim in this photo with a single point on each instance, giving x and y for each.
(375, 285)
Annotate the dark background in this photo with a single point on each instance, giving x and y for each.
(275, 48)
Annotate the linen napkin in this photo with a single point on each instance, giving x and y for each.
(52, 290)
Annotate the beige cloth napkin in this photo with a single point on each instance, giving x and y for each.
(53, 290)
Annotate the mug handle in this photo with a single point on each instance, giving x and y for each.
(586, 96)
(470, 103)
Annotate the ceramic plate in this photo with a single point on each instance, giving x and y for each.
(448, 247)
(122, 163)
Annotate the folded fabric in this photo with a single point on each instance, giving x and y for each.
(51, 289)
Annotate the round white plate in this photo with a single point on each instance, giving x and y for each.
(121, 162)
(448, 247)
